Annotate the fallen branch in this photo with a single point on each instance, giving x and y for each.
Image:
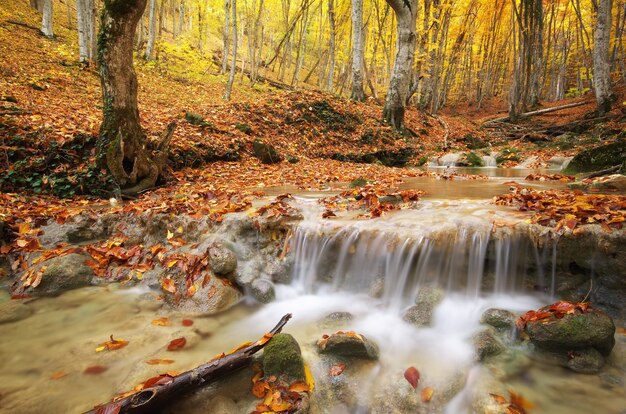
(533, 113)
(259, 78)
(601, 173)
(153, 399)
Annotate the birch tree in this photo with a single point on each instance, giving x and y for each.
(85, 14)
(46, 21)
(152, 28)
(233, 66)
(358, 93)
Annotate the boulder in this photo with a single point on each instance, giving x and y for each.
(348, 344)
(278, 271)
(586, 361)
(13, 311)
(216, 296)
(282, 358)
(64, 273)
(486, 344)
(335, 320)
(578, 331)
(615, 182)
(598, 158)
(263, 290)
(222, 260)
(419, 315)
(265, 152)
(429, 294)
(498, 318)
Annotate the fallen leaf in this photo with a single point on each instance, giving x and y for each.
(176, 344)
(337, 369)
(187, 322)
(58, 375)
(427, 394)
(112, 345)
(161, 322)
(299, 387)
(412, 375)
(160, 361)
(169, 285)
(95, 369)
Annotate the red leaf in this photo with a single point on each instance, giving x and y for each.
(337, 369)
(187, 322)
(412, 375)
(95, 369)
(177, 344)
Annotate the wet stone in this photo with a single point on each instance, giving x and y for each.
(498, 318)
(222, 260)
(263, 290)
(350, 345)
(282, 358)
(587, 361)
(335, 320)
(13, 311)
(64, 273)
(486, 344)
(419, 315)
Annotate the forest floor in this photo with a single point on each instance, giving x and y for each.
(50, 113)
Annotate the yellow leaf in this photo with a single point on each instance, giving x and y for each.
(309, 377)
(427, 394)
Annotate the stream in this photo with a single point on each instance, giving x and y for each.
(371, 269)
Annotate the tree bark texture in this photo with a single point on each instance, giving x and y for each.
(152, 28)
(400, 82)
(226, 36)
(46, 21)
(85, 15)
(331, 58)
(122, 143)
(601, 61)
(358, 93)
(233, 67)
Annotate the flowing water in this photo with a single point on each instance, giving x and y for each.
(372, 269)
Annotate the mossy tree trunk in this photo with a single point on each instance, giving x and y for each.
(122, 147)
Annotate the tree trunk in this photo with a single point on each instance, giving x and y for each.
(331, 58)
(601, 61)
(122, 143)
(233, 67)
(46, 21)
(151, 30)
(358, 93)
(37, 4)
(83, 36)
(226, 36)
(406, 17)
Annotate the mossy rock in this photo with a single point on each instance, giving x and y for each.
(598, 158)
(592, 329)
(282, 358)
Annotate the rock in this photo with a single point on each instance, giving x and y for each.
(559, 163)
(348, 344)
(391, 199)
(593, 329)
(615, 182)
(486, 345)
(222, 260)
(498, 318)
(419, 315)
(64, 273)
(263, 290)
(85, 229)
(283, 359)
(587, 361)
(265, 152)
(278, 271)
(598, 158)
(377, 289)
(216, 296)
(13, 311)
(429, 294)
(397, 398)
(335, 320)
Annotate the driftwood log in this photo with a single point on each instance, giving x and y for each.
(151, 400)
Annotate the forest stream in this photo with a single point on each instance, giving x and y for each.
(365, 274)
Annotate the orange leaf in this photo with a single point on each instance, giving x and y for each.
(279, 406)
(427, 394)
(112, 345)
(161, 322)
(176, 344)
(499, 399)
(95, 369)
(58, 375)
(160, 361)
(265, 339)
(169, 285)
(299, 387)
(412, 375)
(337, 369)
(260, 388)
(158, 380)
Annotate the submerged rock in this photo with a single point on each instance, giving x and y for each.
(498, 318)
(348, 344)
(64, 273)
(592, 329)
(13, 311)
(486, 344)
(335, 320)
(586, 361)
(419, 315)
(282, 358)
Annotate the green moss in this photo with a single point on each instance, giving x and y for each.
(599, 158)
(283, 359)
(474, 160)
(359, 182)
(245, 128)
(194, 119)
(507, 154)
(573, 326)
